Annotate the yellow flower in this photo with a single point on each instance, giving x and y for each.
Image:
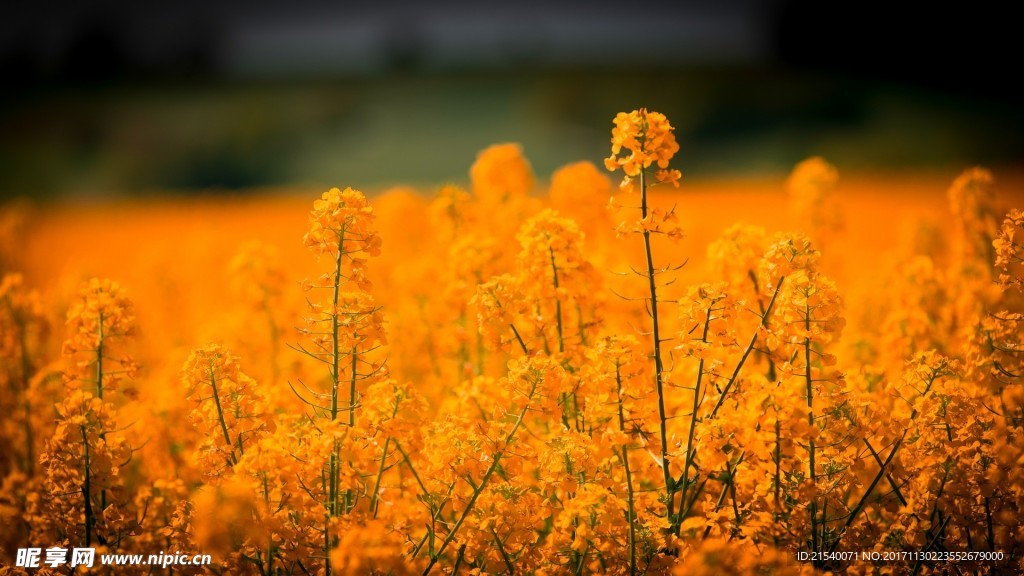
(343, 220)
(648, 138)
(501, 173)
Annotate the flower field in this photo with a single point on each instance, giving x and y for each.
(608, 370)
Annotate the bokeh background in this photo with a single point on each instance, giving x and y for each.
(112, 99)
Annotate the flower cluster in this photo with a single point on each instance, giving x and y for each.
(228, 410)
(342, 223)
(1009, 247)
(811, 187)
(98, 318)
(649, 140)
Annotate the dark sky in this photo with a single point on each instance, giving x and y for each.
(104, 97)
(930, 44)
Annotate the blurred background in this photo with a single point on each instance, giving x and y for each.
(106, 99)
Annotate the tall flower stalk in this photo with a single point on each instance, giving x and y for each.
(648, 138)
(82, 459)
(344, 332)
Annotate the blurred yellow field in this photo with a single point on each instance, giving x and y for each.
(523, 376)
(171, 242)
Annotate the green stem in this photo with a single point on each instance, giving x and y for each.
(99, 394)
(334, 469)
(778, 466)
(888, 476)
(90, 515)
(408, 463)
(352, 389)
(684, 507)
(931, 544)
(630, 510)
(810, 421)
(458, 560)
(380, 474)
(881, 473)
(688, 460)
(730, 486)
(504, 554)
(380, 471)
(558, 301)
(220, 417)
(481, 485)
(989, 532)
(519, 339)
(760, 306)
(746, 352)
(99, 361)
(670, 485)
